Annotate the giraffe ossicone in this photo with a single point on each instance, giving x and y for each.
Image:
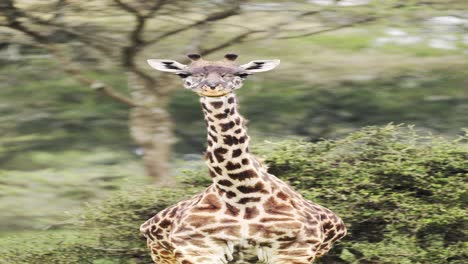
(247, 215)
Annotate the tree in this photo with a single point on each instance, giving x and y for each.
(124, 32)
(48, 26)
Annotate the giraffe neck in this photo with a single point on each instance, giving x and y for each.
(238, 176)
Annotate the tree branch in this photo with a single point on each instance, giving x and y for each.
(137, 43)
(364, 21)
(235, 40)
(12, 14)
(159, 4)
(108, 91)
(127, 8)
(93, 84)
(211, 18)
(130, 52)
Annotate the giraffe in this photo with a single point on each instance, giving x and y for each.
(247, 215)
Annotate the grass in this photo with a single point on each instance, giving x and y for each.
(51, 185)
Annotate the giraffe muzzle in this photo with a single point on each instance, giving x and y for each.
(213, 91)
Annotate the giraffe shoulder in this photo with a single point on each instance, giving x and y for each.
(165, 218)
(161, 220)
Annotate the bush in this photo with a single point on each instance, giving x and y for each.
(103, 234)
(400, 193)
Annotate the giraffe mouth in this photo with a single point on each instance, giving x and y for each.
(217, 92)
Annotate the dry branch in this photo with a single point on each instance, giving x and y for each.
(210, 18)
(130, 52)
(93, 84)
(13, 14)
(235, 40)
(364, 21)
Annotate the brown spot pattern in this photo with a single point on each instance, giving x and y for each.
(213, 137)
(236, 153)
(230, 140)
(221, 116)
(200, 220)
(225, 183)
(210, 203)
(231, 210)
(212, 174)
(226, 126)
(243, 175)
(218, 153)
(282, 196)
(251, 212)
(249, 200)
(272, 206)
(217, 105)
(209, 156)
(218, 170)
(258, 187)
(206, 108)
(233, 166)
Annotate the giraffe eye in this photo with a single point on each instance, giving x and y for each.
(183, 75)
(243, 75)
(188, 83)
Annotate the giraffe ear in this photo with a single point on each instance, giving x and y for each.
(167, 65)
(260, 65)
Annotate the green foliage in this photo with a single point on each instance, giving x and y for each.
(431, 99)
(400, 193)
(42, 108)
(347, 42)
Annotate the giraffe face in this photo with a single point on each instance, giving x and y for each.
(213, 78)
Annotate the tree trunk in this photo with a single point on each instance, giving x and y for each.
(152, 129)
(13, 52)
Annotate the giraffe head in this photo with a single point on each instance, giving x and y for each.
(213, 78)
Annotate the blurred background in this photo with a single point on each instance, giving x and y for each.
(83, 115)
